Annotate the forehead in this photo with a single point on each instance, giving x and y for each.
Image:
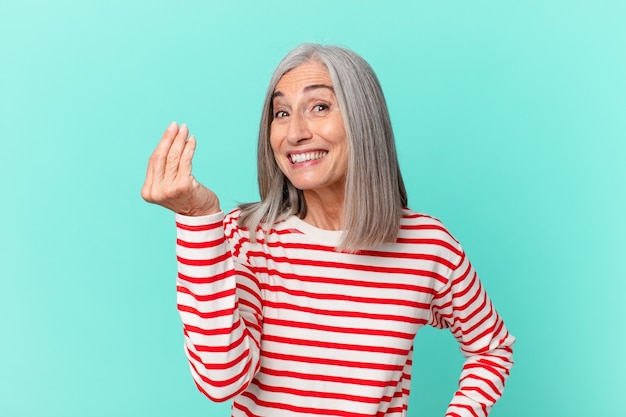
(309, 73)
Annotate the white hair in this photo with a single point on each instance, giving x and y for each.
(374, 192)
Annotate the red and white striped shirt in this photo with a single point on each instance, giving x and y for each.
(287, 326)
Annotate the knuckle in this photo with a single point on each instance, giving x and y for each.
(146, 195)
(171, 158)
(171, 192)
(157, 155)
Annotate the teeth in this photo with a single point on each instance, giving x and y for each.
(309, 156)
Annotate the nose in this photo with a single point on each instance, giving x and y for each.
(298, 129)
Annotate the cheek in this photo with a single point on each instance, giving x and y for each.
(275, 147)
(336, 132)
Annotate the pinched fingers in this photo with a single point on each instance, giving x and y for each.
(173, 158)
(169, 181)
(184, 166)
(156, 164)
(158, 159)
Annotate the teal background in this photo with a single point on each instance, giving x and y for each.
(510, 120)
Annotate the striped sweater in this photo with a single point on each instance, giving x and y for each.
(287, 326)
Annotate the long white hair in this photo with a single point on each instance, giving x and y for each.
(375, 193)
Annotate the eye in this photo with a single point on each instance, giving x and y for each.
(280, 113)
(320, 107)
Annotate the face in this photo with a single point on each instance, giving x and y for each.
(307, 132)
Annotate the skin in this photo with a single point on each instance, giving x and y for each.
(307, 121)
(169, 182)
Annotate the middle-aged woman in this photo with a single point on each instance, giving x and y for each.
(307, 302)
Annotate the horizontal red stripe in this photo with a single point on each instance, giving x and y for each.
(406, 214)
(466, 407)
(412, 256)
(251, 306)
(219, 349)
(296, 409)
(457, 322)
(379, 254)
(201, 245)
(221, 366)
(424, 226)
(489, 331)
(343, 266)
(383, 284)
(337, 329)
(252, 325)
(208, 297)
(320, 394)
(213, 382)
(334, 362)
(478, 367)
(343, 313)
(290, 341)
(219, 331)
(434, 242)
(350, 298)
(472, 318)
(200, 228)
(206, 280)
(480, 392)
(326, 378)
(206, 314)
(393, 410)
(483, 380)
(204, 262)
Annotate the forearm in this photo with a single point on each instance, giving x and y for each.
(484, 340)
(482, 381)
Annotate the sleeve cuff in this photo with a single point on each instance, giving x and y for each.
(199, 220)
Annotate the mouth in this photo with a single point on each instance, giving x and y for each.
(297, 158)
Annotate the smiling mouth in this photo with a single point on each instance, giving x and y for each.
(307, 156)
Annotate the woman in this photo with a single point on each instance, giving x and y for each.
(307, 302)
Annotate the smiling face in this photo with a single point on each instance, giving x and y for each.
(307, 133)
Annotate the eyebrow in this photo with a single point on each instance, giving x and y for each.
(306, 89)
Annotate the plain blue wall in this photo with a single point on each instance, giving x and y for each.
(510, 119)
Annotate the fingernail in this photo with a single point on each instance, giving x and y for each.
(172, 126)
(183, 126)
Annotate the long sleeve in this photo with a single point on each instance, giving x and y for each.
(220, 306)
(464, 307)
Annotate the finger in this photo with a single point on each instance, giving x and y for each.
(147, 189)
(157, 161)
(175, 152)
(146, 193)
(184, 168)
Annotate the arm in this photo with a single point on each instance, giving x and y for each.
(218, 296)
(220, 306)
(464, 307)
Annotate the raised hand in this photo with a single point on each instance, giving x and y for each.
(169, 182)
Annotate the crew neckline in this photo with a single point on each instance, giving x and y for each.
(328, 237)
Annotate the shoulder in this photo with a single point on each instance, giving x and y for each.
(420, 228)
(232, 217)
(235, 228)
(412, 220)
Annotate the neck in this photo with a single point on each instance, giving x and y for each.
(325, 211)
